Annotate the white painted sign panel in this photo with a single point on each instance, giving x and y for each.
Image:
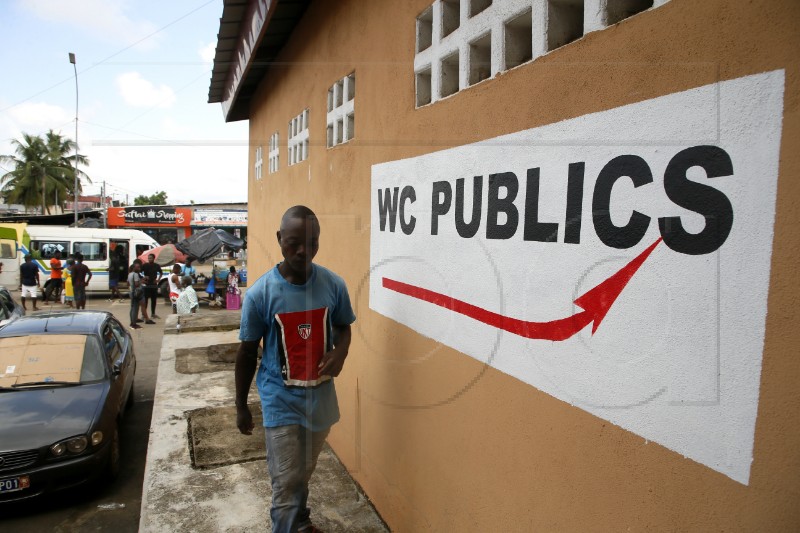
(618, 261)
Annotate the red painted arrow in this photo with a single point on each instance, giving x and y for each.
(595, 304)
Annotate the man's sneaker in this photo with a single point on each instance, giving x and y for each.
(155, 316)
(136, 326)
(149, 322)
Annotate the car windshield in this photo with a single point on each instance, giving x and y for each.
(44, 359)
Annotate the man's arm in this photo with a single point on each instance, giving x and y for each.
(89, 270)
(246, 360)
(333, 361)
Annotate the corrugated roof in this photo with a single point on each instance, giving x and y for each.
(281, 19)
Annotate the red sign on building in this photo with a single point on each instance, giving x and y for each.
(149, 216)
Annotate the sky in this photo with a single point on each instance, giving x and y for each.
(143, 70)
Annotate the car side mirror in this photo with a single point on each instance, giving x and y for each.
(117, 369)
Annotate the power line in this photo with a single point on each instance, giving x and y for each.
(115, 54)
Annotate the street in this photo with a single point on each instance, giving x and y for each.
(113, 506)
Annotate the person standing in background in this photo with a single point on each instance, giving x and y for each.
(152, 275)
(233, 296)
(81, 276)
(136, 286)
(29, 274)
(188, 269)
(137, 263)
(174, 281)
(55, 278)
(69, 293)
(113, 275)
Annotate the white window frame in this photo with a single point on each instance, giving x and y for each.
(258, 167)
(298, 138)
(274, 154)
(341, 111)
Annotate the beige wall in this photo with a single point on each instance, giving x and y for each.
(444, 443)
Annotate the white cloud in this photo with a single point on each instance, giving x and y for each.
(207, 52)
(106, 19)
(37, 116)
(139, 92)
(203, 173)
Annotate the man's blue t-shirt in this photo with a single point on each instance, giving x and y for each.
(295, 322)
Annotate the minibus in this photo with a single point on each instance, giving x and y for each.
(42, 242)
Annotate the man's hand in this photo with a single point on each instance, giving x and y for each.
(244, 420)
(244, 372)
(333, 361)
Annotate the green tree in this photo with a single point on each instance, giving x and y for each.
(159, 198)
(43, 171)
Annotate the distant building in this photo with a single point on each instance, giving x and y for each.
(172, 223)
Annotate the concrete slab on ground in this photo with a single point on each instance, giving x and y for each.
(232, 493)
(217, 320)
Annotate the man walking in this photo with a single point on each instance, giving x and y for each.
(29, 274)
(81, 276)
(302, 313)
(152, 275)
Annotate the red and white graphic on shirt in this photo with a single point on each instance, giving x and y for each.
(302, 342)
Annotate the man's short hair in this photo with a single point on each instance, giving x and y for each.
(79, 256)
(151, 255)
(298, 211)
(186, 280)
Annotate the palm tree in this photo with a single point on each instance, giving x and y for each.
(41, 166)
(61, 154)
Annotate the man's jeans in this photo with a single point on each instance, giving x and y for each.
(135, 303)
(292, 453)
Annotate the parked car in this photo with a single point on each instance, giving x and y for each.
(9, 309)
(68, 381)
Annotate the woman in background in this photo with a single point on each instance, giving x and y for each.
(69, 293)
(234, 294)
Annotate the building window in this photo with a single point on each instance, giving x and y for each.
(298, 138)
(460, 43)
(259, 165)
(273, 153)
(341, 111)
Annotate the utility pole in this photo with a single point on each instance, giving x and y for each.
(75, 69)
(105, 206)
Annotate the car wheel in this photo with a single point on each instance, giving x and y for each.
(129, 403)
(112, 470)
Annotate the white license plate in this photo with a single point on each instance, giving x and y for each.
(14, 483)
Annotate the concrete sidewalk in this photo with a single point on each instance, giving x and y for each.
(202, 475)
